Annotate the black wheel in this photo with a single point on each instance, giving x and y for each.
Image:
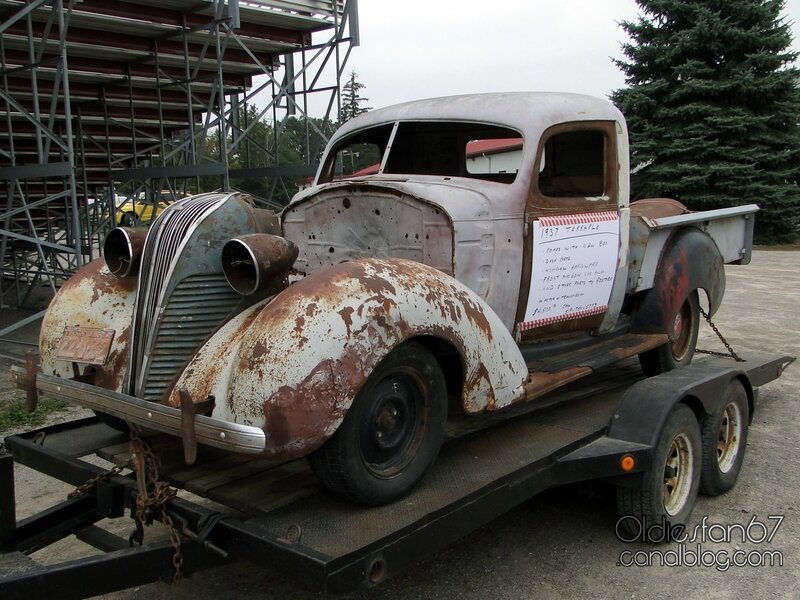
(392, 432)
(113, 422)
(725, 441)
(665, 495)
(130, 219)
(678, 352)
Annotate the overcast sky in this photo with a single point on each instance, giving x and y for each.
(423, 48)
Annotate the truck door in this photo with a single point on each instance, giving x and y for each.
(572, 231)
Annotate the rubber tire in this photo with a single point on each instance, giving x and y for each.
(130, 219)
(660, 360)
(713, 481)
(340, 464)
(645, 501)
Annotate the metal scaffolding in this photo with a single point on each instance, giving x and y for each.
(108, 107)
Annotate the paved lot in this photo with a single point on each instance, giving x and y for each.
(562, 543)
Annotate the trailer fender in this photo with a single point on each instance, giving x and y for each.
(689, 262)
(293, 365)
(644, 408)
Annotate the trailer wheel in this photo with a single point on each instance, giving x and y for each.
(678, 352)
(392, 432)
(667, 492)
(725, 441)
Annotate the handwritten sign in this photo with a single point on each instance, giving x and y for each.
(574, 263)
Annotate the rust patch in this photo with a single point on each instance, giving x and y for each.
(312, 309)
(347, 317)
(294, 415)
(478, 381)
(259, 350)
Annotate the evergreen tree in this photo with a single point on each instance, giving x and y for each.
(352, 101)
(713, 107)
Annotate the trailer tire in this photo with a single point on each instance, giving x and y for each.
(392, 432)
(665, 495)
(678, 352)
(724, 436)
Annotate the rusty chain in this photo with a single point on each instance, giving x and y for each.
(730, 353)
(104, 476)
(152, 497)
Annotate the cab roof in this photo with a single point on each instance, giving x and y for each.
(528, 112)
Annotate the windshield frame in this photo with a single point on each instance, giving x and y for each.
(483, 130)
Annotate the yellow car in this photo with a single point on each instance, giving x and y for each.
(132, 213)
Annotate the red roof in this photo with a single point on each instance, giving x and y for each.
(493, 146)
(370, 170)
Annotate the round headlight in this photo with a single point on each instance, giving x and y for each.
(252, 262)
(122, 250)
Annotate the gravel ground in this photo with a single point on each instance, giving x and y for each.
(562, 544)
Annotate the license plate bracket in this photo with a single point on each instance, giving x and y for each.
(86, 345)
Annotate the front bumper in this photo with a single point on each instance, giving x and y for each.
(243, 439)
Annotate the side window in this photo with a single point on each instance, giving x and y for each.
(573, 165)
(357, 159)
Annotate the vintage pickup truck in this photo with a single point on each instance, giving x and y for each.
(491, 256)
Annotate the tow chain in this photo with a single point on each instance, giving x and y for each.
(730, 353)
(152, 497)
(104, 476)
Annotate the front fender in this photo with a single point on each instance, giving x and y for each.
(95, 298)
(294, 365)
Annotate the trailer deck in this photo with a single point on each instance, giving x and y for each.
(279, 515)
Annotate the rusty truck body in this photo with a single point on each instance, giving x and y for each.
(491, 256)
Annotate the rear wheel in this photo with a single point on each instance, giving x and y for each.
(725, 441)
(392, 432)
(665, 495)
(678, 352)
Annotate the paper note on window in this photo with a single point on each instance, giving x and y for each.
(574, 263)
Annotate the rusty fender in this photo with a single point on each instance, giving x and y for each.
(691, 261)
(293, 365)
(93, 297)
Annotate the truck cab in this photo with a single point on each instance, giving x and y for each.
(462, 183)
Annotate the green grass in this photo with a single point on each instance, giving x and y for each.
(15, 415)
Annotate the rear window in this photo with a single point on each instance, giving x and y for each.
(573, 165)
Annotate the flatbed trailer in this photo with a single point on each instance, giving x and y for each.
(606, 426)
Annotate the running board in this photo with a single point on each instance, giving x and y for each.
(548, 374)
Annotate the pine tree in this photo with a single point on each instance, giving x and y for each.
(713, 107)
(352, 101)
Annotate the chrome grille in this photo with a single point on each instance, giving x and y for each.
(162, 246)
(195, 308)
